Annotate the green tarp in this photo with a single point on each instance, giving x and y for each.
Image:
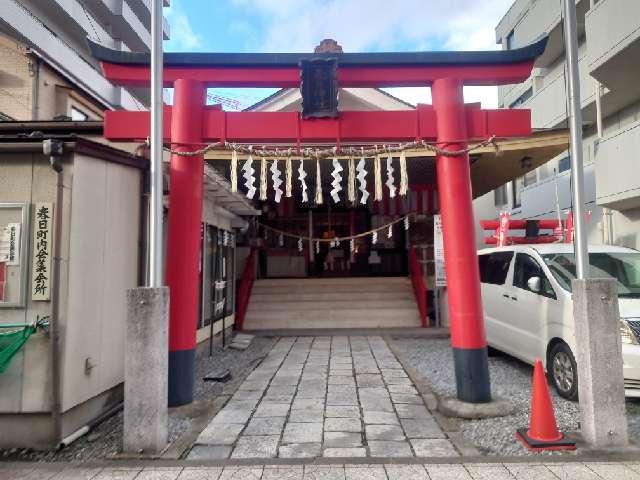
(11, 342)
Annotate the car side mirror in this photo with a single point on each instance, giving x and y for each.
(534, 284)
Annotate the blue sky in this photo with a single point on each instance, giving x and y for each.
(358, 25)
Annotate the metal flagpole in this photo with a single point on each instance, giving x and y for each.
(575, 127)
(155, 210)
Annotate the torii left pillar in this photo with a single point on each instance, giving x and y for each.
(184, 243)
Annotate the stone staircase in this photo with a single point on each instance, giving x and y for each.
(355, 302)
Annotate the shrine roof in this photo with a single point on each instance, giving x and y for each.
(195, 59)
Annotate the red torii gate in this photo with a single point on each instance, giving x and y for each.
(190, 123)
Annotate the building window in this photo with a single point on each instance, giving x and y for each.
(78, 115)
(564, 164)
(218, 276)
(530, 178)
(526, 95)
(517, 185)
(511, 40)
(500, 196)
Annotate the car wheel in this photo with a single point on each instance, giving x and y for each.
(492, 352)
(563, 371)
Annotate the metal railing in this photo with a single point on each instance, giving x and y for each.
(244, 290)
(419, 288)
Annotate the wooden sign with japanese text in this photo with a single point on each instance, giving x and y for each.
(42, 240)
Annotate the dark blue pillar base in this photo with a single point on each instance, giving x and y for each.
(472, 374)
(181, 377)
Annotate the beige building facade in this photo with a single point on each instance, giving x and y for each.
(46, 68)
(32, 90)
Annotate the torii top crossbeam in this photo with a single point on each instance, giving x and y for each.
(353, 70)
(450, 122)
(390, 69)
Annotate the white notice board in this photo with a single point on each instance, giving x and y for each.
(438, 253)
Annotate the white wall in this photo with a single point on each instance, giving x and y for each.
(608, 166)
(26, 384)
(103, 264)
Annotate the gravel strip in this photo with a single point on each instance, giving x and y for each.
(511, 379)
(106, 439)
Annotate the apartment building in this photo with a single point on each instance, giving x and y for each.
(609, 48)
(46, 69)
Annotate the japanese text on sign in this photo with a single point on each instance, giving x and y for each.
(41, 278)
(10, 244)
(438, 252)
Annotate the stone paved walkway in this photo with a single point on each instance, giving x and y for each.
(325, 397)
(465, 471)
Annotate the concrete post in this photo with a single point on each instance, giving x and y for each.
(599, 359)
(145, 370)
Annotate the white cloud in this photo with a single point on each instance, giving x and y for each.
(182, 36)
(299, 25)
(361, 25)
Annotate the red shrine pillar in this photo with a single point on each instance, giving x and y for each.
(183, 243)
(460, 256)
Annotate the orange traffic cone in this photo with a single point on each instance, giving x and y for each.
(543, 432)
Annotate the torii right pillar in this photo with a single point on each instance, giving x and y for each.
(461, 261)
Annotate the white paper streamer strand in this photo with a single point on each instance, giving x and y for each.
(234, 171)
(390, 180)
(337, 178)
(352, 245)
(281, 240)
(351, 181)
(288, 173)
(377, 180)
(404, 178)
(390, 231)
(275, 177)
(303, 184)
(317, 247)
(362, 181)
(406, 223)
(263, 178)
(374, 237)
(300, 244)
(318, 198)
(249, 177)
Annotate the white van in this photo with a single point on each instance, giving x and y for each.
(528, 312)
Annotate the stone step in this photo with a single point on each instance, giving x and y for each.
(350, 288)
(256, 296)
(354, 302)
(342, 314)
(337, 321)
(266, 302)
(333, 281)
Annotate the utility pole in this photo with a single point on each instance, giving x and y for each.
(595, 300)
